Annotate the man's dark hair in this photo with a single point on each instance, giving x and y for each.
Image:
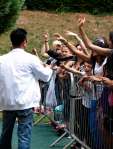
(17, 36)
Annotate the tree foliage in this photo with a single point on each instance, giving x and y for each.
(93, 6)
(9, 11)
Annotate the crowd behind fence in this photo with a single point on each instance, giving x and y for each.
(80, 91)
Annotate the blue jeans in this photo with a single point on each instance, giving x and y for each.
(93, 126)
(25, 121)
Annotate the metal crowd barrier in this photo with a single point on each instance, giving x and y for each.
(91, 127)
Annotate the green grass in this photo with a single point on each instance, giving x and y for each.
(38, 22)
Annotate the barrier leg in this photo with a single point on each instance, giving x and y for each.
(56, 141)
(81, 142)
(69, 144)
(44, 115)
(39, 120)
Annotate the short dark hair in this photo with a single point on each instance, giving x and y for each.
(17, 36)
(101, 42)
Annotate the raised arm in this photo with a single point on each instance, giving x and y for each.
(81, 54)
(79, 41)
(45, 47)
(71, 69)
(87, 41)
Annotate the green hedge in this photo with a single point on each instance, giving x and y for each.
(93, 6)
(9, 10)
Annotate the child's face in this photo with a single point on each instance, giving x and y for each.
(66, 51)
(87, 67)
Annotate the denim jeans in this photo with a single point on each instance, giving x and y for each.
(97, 141)
(25, 119)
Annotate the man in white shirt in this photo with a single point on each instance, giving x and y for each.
(19, 89)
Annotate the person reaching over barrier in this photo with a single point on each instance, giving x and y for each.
(79, 40)
(52, 53)
(97, 59)
(70, 69)
(84, 56)
(82, 50)
(20, 72)
(106, 51)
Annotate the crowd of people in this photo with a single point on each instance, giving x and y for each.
(84, 69)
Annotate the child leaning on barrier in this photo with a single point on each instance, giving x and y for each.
(87, 99)
(64, 80)
(88, 95)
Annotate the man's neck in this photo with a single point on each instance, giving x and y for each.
(20, 47)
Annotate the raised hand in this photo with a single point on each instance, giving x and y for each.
(69, 33)
(73, 34)
(59, 37)
(81, 21)
(46, 36)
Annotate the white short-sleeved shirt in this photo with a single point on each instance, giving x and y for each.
(19, 75)
(98, 70)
